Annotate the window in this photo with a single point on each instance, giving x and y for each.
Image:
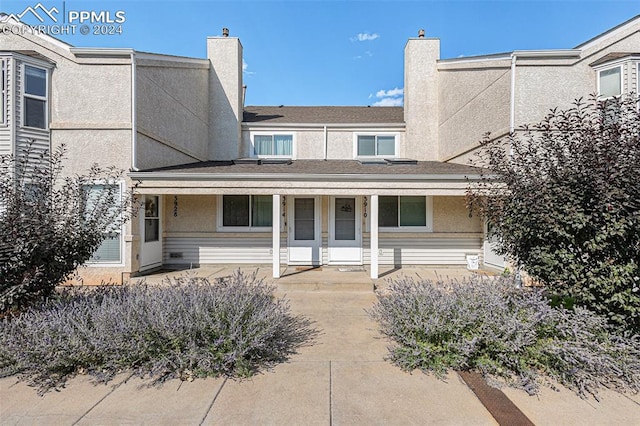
(35, 97)
(246, 212)
(409, 212)
(110, 249)
(273, 145)
(610, 82)
(3, 90)
(151, 219)
(376, 146)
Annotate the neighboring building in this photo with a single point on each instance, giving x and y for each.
(343, 185)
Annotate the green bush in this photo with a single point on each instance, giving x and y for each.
(184, 329)
(490, 326)
(564, 204)
(50, 224)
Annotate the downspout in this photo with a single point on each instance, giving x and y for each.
(134, 116)
(512, 113)
(326, 142)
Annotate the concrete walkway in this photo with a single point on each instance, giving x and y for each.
(342, 380)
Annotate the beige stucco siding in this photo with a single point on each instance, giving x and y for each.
(310, 141)
(472, 102)
(173, 115)
(450, 214)
(193, 213)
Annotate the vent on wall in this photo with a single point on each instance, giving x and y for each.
(176, 255)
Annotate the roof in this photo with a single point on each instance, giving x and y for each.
(612, 57)
(321, 167)
(323, 114)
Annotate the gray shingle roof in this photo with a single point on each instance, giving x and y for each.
(346, 167)
(323, 114)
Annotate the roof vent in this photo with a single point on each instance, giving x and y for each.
(225, 32)
(400, 161)
(421, 33)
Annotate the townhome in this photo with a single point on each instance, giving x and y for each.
(227, 183)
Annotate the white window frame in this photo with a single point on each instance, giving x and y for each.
(428, 219)
(273, 133)
(121, 263)
(608, 68)
(396, 146)
(45, 98)
(220, 217)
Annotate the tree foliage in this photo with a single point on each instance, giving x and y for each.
(51, 224)
(564, 204)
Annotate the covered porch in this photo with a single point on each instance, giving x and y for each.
(337, 213)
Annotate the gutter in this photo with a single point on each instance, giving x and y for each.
(163, 176)
(134, 116)
(249, 124)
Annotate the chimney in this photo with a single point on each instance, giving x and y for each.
(421, 33)
(225, 32)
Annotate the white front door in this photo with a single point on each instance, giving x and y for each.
(305, 239)
(151, 233)
(345, 231)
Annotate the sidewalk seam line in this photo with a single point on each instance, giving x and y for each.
(206, 414)
(330, 395)
(101, 399)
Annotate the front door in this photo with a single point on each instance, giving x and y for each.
(151, 235)
(345, 231)
(305, 240)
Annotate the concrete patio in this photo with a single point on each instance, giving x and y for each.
(342, 379)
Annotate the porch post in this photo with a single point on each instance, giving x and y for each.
(276, 235)
(373, 225)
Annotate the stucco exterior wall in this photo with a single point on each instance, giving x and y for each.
(472, 102)
(225, 97)
(172, 112)
(421, 98)
(194, 213)
(450, 215)
(309, 141)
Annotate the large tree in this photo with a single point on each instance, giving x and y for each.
(51, 224)
(563, 199)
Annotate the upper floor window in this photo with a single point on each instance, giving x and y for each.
(3, 90)
(610, 82)
(408, 212)
(376, 146)
(35, 97)
(273, 145)
(245, 212)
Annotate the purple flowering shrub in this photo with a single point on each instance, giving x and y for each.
(490, 326)
(184, 328)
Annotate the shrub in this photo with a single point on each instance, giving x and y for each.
(50, 223)
(564, 204)
(493, 327)
(184, 328)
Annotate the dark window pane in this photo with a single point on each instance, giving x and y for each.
(35, 81)
(34, 113)
(366, 145)
(151, 230)
(261, 210)
(387, 211)
(235, 210)
(413, 211)
(304, 219)
(345, 219)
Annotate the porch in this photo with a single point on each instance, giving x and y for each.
(334, 278)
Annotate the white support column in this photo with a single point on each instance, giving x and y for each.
(373, 225)
(276, 236)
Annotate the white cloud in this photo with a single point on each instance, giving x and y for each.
(365, 37)
(391, 97)
(389, 102)
(245, 68)
(392, 93)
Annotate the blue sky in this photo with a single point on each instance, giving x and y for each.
(341, 52)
